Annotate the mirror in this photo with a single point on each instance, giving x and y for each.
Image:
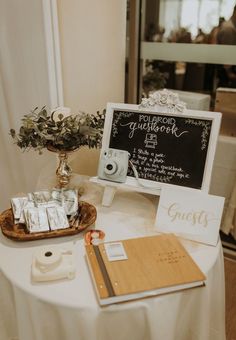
(186, 21)
(177, 44)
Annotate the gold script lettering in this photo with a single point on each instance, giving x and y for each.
(175, 212)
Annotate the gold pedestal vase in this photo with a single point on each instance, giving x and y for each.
(63, 171)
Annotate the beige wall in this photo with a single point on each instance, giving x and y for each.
(92, 38)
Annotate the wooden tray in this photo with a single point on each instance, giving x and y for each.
(18, 232)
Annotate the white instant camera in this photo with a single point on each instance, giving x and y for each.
(53, 263)
(113, 165)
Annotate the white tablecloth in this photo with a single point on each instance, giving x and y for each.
(68, 309)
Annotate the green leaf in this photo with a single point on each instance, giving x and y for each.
(39, 129)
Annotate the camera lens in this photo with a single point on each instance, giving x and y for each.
(110, 167)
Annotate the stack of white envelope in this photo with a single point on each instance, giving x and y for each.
(45, 210)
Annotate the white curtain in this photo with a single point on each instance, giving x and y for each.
(229, 221)
(23, 86)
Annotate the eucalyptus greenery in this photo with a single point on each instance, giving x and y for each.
(55, 130)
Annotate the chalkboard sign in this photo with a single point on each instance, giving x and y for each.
(165, 148)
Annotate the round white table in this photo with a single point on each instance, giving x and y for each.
(69, 310)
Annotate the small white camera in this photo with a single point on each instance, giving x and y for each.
(53, 263)
(113, 165)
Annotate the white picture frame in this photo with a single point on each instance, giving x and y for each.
(214, 117)
(176, 111)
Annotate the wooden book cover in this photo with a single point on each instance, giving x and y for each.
(154, 265)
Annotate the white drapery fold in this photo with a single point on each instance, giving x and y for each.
(23, 86)
(229, 221)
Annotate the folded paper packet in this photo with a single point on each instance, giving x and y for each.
(68, 198)
(39, 219)
(36, 219)
(57, 218)
(41, 197)
(18, 205)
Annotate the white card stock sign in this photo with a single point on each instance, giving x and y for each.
(191, 214)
